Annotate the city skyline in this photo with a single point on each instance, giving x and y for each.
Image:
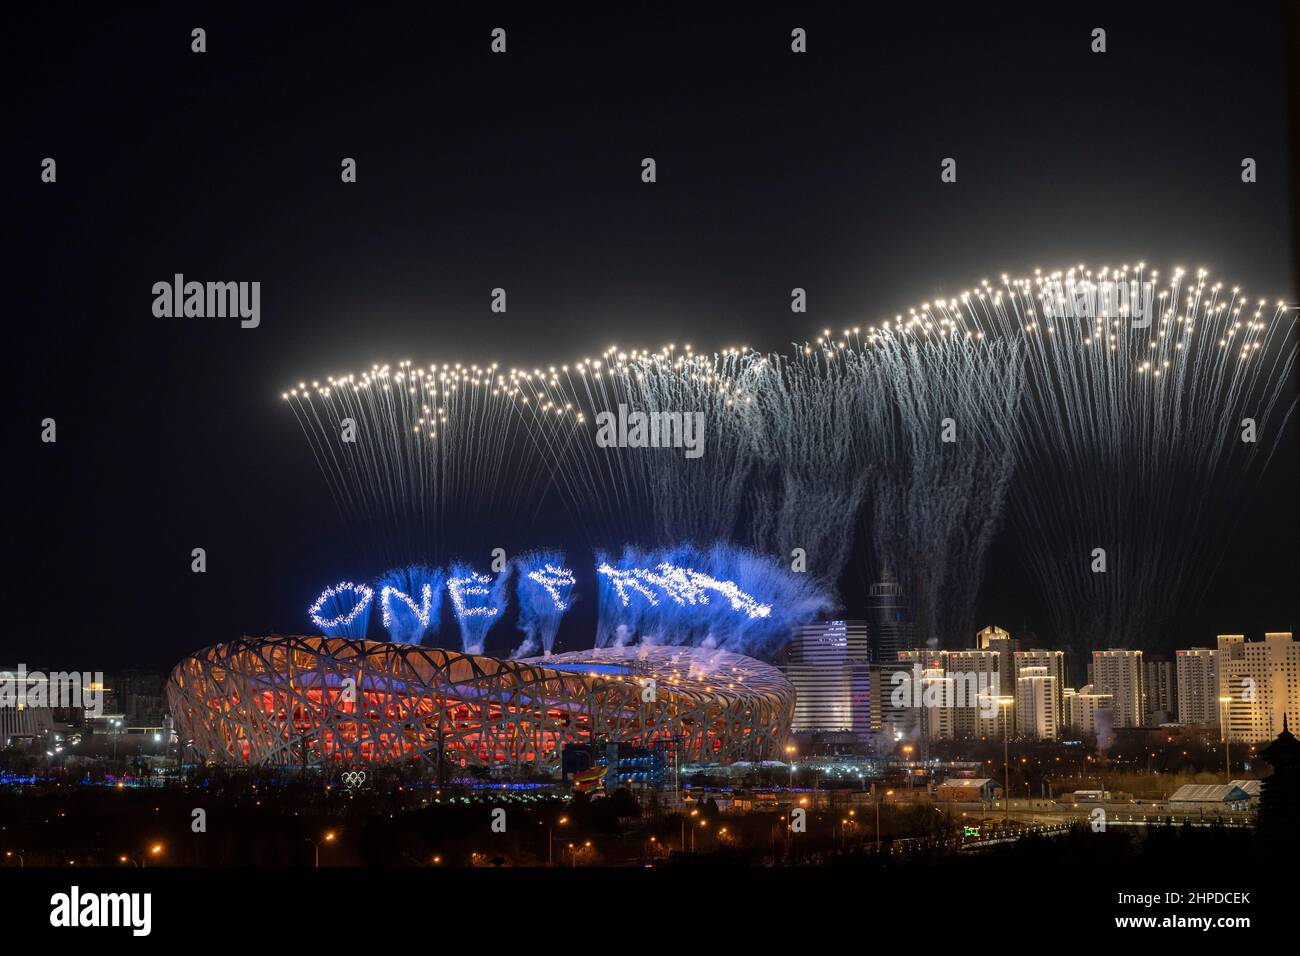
(583, 455)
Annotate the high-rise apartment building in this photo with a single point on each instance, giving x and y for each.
(1054, 664)
(1088, 712)
(1161, 686)
(1120, 674)
(1261, 680)
(978, 675)
(1198, 686)
(1038, 713)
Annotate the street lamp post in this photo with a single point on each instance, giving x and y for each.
(1004, 703)
(550, 852)
(328, 838)
(876, 800)
(1223, 725)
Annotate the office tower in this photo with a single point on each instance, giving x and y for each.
(1198, 686)
(889, 621)
(889, 625)
(829, 665)
(1119, 673)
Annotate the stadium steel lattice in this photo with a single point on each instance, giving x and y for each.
(313, 701)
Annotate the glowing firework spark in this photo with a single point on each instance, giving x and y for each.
(662, 598)
(476, 617)
(410, 599)
(343, 610)
(654, 495)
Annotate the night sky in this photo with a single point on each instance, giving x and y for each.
(523, 171)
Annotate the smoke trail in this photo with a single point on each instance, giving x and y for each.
(957, 398)
(805, 423)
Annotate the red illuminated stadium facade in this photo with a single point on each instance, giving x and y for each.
(320, 701)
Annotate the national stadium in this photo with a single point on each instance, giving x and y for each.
(325, 701)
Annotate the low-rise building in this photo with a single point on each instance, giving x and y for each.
(1210, 796)
(968, 789)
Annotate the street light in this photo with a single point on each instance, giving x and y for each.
(703, 823)
(550, 854)
(327, 838)
(574, 850)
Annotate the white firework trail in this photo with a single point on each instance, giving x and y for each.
(440, 454)
(1136, 398)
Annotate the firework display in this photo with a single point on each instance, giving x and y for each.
(742, 602)
(343, 610)
(410, 599)
(1100, 410)
(418, 458)
(1141, 402)
(477, 601)
(545, 593)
